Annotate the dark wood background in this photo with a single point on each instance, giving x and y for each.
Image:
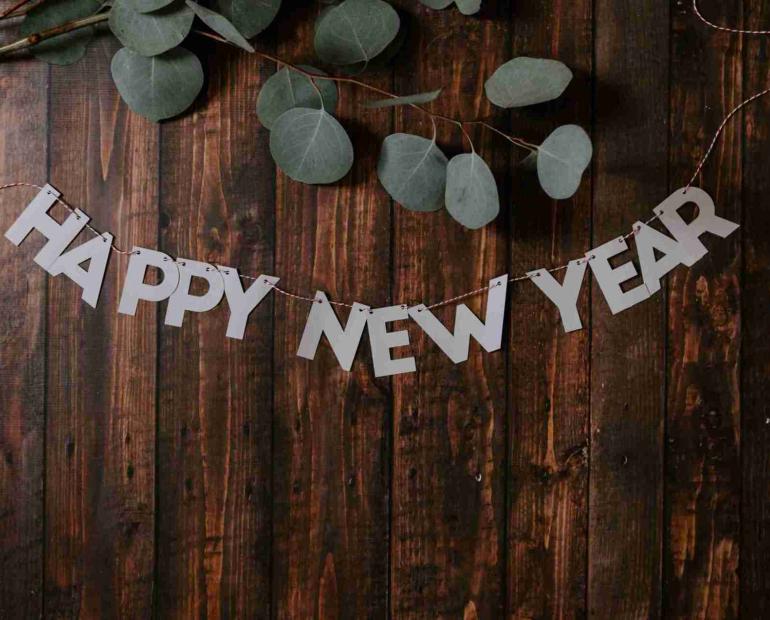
(618, 472)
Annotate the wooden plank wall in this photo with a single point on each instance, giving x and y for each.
(448, 503)
(702, 485)
(23, 152)
(617, 472)
(627, 355)
(754, 544)
(548, 370)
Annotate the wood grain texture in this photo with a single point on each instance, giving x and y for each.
(627, 351)
(548, 369)
(23, 155)
(100, 474)
(331, 455)
(754, 568)
(618, 472)
(215, 415)
(448, 518)
(703, 414)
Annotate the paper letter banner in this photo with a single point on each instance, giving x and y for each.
(382, 341)
(243, 302)
(322, 320)
(706, 221)
(35, 217)
(134, 287)
(658, 254)
(181, 300)
(488, 334)
(97, 251)
(564, 295)
(647, 241)
(610, 279)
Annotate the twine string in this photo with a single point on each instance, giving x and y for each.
(519, 278)
(298, 296)
(711, 24)
(737, 108)
(721, 128)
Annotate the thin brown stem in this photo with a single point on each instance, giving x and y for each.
(13, 8)
(458, 122)
(22, 11)
(515, 141)
(36, 38)
(461, 125)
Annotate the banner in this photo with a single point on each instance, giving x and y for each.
(657, 254)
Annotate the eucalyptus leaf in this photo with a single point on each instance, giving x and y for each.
(413, 170)
(311, 146)
(405, 100)
(287, 89)
(150, 34)
(526, 81)
(147, 6)
(157, 87)
(355, 31)
(468, 7)
(383, 59)
(66, 48)
(220, 24)
(529, 162)
(250, 17)
(436, 4)
(471, 191)
(562, 159)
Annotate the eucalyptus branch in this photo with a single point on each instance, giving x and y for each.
(37, 37)
(159, 79)
(459, 122)
(11, 11)
(515, 141)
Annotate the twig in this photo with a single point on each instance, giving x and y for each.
(13, 9)
(36, 38)
(22, 11)
(459, 122)
(515, 141)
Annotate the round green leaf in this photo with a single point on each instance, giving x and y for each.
(220, 24)
(562, 159)
(417, 98)
(311, 146)
(289, 89)
(471, 191)
(66, 48)
(413, 170)
(381, 61)
(529, 162)
(468, 7)
(436, 4)
(527, 81)
(150, 34)
(250, 17)
(355, 31)
(157, 87)
(147, 6)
